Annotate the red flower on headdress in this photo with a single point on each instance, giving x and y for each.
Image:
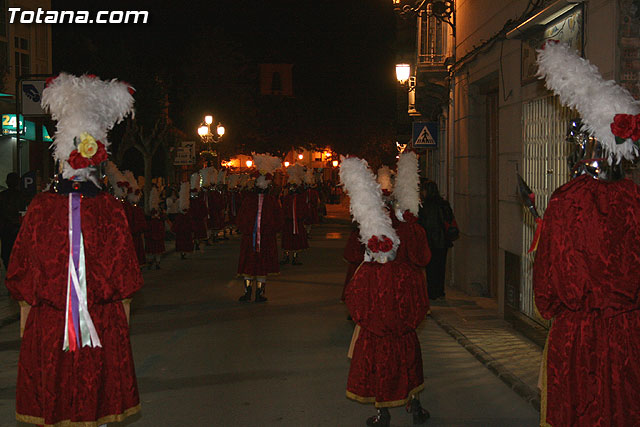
(78, 161)
(49, 81)
(623, 125)
(373, 244)
(379, 245)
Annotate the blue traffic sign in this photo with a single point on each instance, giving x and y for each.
(424, 135)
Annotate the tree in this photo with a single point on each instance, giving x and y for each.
(147, 143)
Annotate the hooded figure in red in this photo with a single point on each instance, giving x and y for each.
(259, 220)
(387, 300)
(586, 275)
(75, 265)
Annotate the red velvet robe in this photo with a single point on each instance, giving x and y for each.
(137, 226)
(154, 236)
(389, 301)
(90, 384)
(199, 214)
(294, 239)
(586, 277)
(353, 255)
(313, 199)
(216, 210)
(234, 205)
(265, 261)
(182, 227)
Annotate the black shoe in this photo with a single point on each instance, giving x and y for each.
(247, 293)
(294, 260)
(382, 419)
(259, 292)
(285, 260)
(420, 415)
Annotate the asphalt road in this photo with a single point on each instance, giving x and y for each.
(204, 359)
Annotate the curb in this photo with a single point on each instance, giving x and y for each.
(516, 384)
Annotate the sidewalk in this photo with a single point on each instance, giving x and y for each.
(474, 322)
(9, 309)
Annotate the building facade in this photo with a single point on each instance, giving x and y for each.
(499, 120)
(24, 49)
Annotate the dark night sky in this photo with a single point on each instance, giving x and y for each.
(207, 53)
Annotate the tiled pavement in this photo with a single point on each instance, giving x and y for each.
(474, 322)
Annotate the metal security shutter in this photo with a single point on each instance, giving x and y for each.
(545, 167)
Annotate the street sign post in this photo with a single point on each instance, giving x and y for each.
(185, 154)
(31, 95)
(424, 135)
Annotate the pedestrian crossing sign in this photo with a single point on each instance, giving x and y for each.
(424, 135)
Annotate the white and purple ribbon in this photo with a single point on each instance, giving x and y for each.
(257, 224)
(79, 330)
(295, 219)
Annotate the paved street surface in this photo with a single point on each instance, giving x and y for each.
(204, 359)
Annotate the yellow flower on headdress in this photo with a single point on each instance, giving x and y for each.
(88, 146)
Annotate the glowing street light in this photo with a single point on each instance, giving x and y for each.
(249, 163)
(403, 72)
(335, 163)
(300, 156)
(286, 164)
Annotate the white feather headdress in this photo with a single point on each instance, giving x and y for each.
(233, 180)
(183, 197)
(154, 200)
(266, 165)
(406, 190)
(134, 194)
(384, 178)
(84, 105)
(579, 85)
(195, 181)
(222, 177)
(296, 174)
(309, 178)
(213, 176)
(367, 208)
(205, 173)
(116, 179)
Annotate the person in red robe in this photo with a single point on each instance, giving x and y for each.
(586, 275)
(154, 235)
(294, 235)
(182, 225)
(296, 214)
(259, 220)
(387, 299)
(587, 278)
(198, 212)
(76, 366)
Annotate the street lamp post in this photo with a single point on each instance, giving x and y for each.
(209, 138)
